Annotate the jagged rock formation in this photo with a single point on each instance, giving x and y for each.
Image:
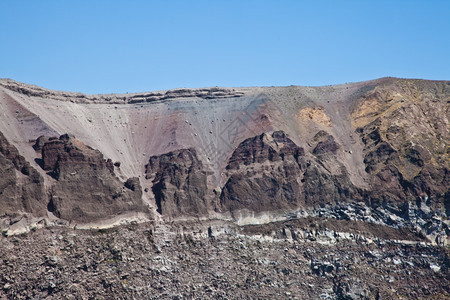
(326, 144)
(405, 134)
(21, 186)
(264, 174)
(86, 188)
(179, 183)
(406, 163)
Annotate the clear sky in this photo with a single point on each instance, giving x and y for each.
(99, 46)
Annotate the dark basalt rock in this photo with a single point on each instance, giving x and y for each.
(133, 184)
(179, 183)
(40, 142)
(381, 154)
(270, 172)
(321, 188)
(50, 153)
(86, 188)
(67, 153)
(21, 186)
(264, 174)
(404, 169)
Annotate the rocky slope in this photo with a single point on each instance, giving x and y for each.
(306, 259)
(372, 153)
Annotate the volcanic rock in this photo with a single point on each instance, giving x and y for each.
(333, 192)
(264, 174)
(179, 183)
(21, 186)
(86, 188)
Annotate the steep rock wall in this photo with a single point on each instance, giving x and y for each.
(179, 183)
(264, 174)
(21, 186)
(375, 151)
(86, 187)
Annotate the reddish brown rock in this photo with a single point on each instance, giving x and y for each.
(406, 144)
(87, 188)
(179, 183)
(21, 186)
(264, 175)
(382, 144)
(258, 149)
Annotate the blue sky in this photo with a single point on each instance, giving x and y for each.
(132, 46)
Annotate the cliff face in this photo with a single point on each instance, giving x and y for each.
(86, 187)
(405, 134)
(337, 192)
(374, 151)
(264, 174)
(21, 186)
(179, 183)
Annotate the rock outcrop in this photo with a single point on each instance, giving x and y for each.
(270, 172)
(87, 188)
(404, 130)
(381, 145)
(21, 186)
(179, 183)
(264, 174)
(203, 93)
